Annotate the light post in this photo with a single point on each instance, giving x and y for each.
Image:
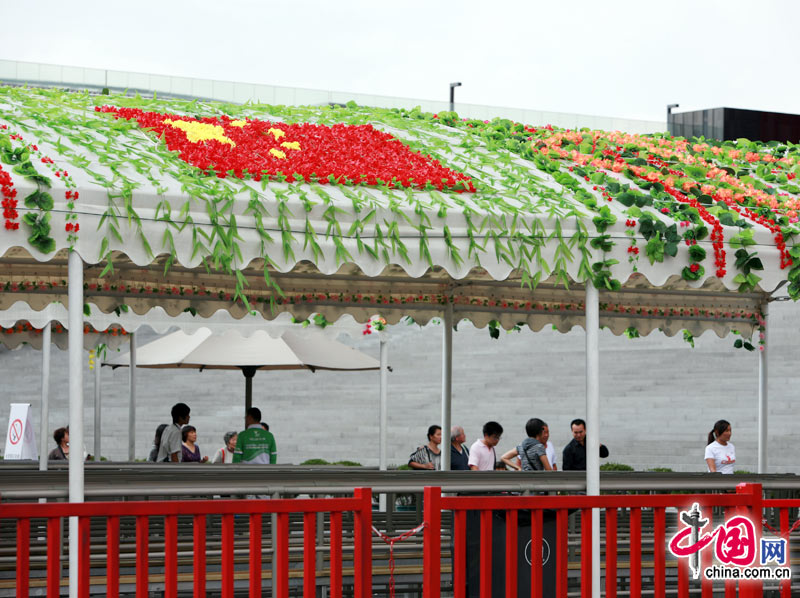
(453, 95)
(669, 113)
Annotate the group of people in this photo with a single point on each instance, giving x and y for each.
(177, 442)
(534, 453)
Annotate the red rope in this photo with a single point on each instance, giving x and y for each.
(773, 530)
(391, 542)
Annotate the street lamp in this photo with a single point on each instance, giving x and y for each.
(669, 113)
(453, 95)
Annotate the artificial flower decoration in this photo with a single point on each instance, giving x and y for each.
(349, 154)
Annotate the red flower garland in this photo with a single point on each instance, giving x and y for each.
(9, 200)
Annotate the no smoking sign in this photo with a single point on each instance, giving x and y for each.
(15, 433)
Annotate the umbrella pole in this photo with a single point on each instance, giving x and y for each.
(447, 384)
(132, 400)
(249, 372)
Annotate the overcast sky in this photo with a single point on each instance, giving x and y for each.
(624, 58)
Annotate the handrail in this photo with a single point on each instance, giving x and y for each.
(138, 479)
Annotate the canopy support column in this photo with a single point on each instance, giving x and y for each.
(45, 423)
(447, 384)
(97, 409)
(593, 421)
(75, 294)
(248, 371)
(383, 416)
(132, 402)
(763, 383)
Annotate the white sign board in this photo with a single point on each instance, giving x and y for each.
(20, 439)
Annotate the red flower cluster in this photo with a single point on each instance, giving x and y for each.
(9, 201)
(630, 222)
(633, 249)
(349, 154)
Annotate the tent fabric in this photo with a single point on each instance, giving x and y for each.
(516, 251)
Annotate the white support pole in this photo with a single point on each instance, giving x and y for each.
(447, 383)
(44, 428)
(132, 401)
(97, 408)
(76, 442)
(763, 382)
(593, 421)
(383, 416)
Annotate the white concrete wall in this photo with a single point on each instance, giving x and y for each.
(659, 396)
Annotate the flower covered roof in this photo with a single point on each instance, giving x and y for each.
(202, 206)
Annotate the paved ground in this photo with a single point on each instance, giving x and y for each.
(659, 396)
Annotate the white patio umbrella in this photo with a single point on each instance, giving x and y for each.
(259, 351)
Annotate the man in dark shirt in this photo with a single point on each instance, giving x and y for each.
(573, 457)
(459, 454)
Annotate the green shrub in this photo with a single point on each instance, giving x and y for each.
(742, 471)
(664, 469)
(315, 462)
(348, 463)
(615, 467)
(403, 467)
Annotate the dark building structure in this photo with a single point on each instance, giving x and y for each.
(732, 123)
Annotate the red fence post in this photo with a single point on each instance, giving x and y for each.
(659, 552)
(753, 589)
(227, 556)
(23, 556)
(255, 555)
(536, 553)
(460, 554)
(199, 561)
(171, 556)
(142, 556)
(636, 552)
(363, 543)
(432, 542)
(280, 542)
(53, 557)
(562, 553)
(84, 555)
(310, 555)
(611, 553)
(586, 553)
(786, 584)
(112, 557)
(336, 554)
(511, 553)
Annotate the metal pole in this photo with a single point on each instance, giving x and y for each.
(45, 424)
(383, 415)
(132, 401)
(75, 295)
(97, 410)
(447, 384)
(763, 382)
(593, 421)
(453, 95)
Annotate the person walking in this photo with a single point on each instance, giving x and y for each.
(225, 453)
(171, 437)
(428, 456)
(61, 452)
(720, 453)
(574, 454)
(459, 453)
(254, 444)
(153, 456)
(482, 455)
(532, 452)
(190, 450)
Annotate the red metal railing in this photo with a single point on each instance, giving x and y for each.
(783, 506)
(747, 499)
(360, 505)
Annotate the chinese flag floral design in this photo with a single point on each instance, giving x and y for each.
(347, 154)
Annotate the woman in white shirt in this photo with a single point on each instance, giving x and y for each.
(225, 454)
(720, 452)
